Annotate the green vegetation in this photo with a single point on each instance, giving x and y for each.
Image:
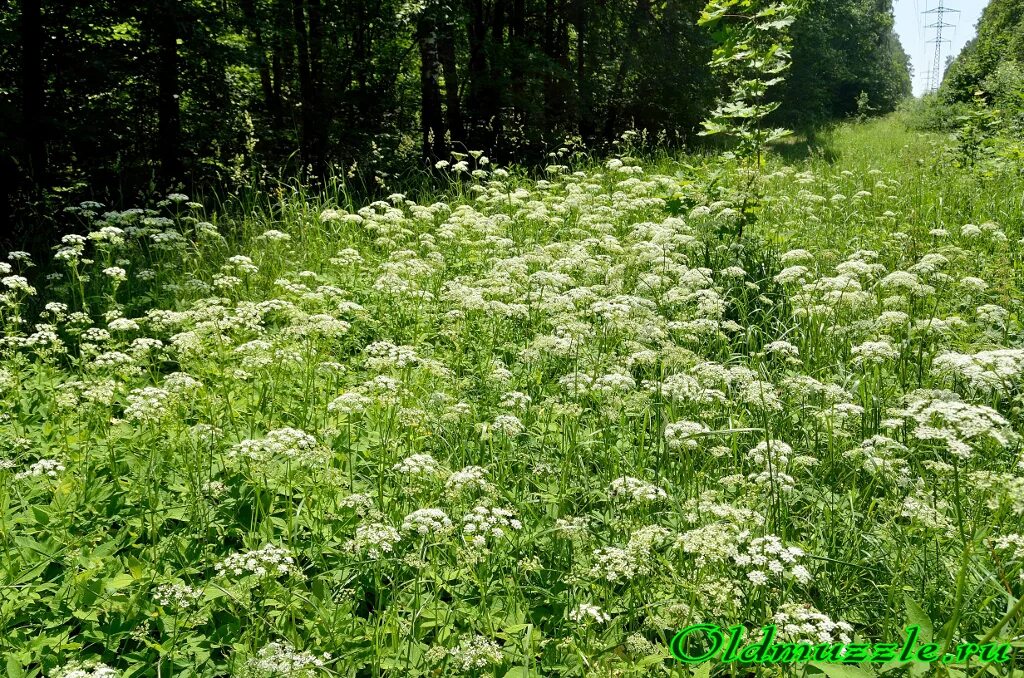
(121, 102)
(519, 428)
(994, 60)
(981, 100)
(495, 379)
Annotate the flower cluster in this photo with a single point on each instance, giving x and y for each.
(427, 522)
(797, 623)
(483, 522)
(280, 658)
(767, 558)
(177, 596)
(283, 445)
(635, 490)
(268, 561)
(376, 540)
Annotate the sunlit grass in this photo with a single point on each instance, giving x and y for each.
(518, 427)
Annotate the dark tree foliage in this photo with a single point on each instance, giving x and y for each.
(116, 100)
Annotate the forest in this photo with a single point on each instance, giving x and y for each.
(508, 339)
(119, 101)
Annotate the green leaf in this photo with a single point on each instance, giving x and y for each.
(917, 616)
(843, 670)
(521, 672)
(40, 515)
(118, 582)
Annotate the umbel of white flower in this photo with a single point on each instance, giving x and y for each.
(268, 561)
(417, 465)
(483, 522)
(633, 489)
(85, 670)
(280, 658)
(767, 558)
(426, 522)
(281, 445)
(375, 540)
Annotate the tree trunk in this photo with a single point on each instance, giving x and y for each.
(32, 87)
(431, 121)
(518, 47)
(479, 103)
(271, 99)
(318, 115)
(168, 104)
(556, 68)
(309, 145)
(641, 15)
(280, 60)
(498, 68)
(453, 103)
(583, 87)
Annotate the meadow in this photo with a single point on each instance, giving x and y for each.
(522, 426)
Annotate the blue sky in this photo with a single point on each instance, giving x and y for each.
(910, 24)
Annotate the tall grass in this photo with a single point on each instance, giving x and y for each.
(520, 426)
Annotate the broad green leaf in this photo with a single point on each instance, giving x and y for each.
(917, 616)
(843, 670)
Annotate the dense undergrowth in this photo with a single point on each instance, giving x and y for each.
(521, 428)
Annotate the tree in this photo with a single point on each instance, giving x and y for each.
(32, 84)
(165, 23)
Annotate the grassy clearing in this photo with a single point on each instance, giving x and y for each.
(519, 428)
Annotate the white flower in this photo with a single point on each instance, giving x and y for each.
(468, 478)
(427, 521)
(614, 564)
(586, 613)
(44, 467)
(349, 403)
(793, 275)
(636, 490)
(116, 273)
(18, 283)
(375, 540)
(768, 554)
(178, 596)
(990, 371)
(874, 353)
(783, 348)
(974, 284)
(474, 654)
(85, 670)
(483, 522)
(942, 416)
(684, 434)
(418, 465)
(802, 623)
(281, 659)
(770, 453)
(286, 445)
(147, 405)
(274, 236)
(508, 425)
(267, 562)
(384, 354)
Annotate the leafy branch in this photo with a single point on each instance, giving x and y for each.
(751, 56)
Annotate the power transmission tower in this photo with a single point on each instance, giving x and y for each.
(935, 74)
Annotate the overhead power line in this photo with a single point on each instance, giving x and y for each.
(936, 71)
